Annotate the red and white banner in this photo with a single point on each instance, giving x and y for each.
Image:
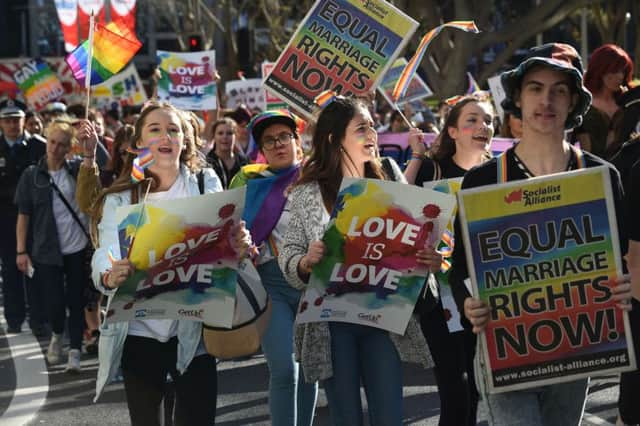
(124, 11)
(85, 7)
(68, 16)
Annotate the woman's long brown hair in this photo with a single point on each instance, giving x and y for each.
(325, 163)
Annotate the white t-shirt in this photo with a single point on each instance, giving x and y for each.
(71, 236)
(160, 329)
(273, 245)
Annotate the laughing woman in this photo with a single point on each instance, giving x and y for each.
(341, 354)
(148, 350)
(464, 142)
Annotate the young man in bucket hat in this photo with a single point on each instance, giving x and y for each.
(547, 93)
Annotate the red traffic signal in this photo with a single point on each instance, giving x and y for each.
(195, 43)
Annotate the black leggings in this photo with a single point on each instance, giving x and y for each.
(145, 364)
(453, 357)
(630, 382)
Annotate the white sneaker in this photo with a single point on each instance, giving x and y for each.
(73, 363)
(54, 353)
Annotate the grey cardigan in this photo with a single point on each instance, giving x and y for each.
(312, 341)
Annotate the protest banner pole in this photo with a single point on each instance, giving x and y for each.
(402, 115)
(135, 231)
(87, 77)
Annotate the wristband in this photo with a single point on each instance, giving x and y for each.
(20, 253)
(418, 156)
(88, 156)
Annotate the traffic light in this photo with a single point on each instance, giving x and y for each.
(195, 43)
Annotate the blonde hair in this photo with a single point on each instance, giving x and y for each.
(63, 126)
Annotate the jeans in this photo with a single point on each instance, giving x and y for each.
(145, 365)
(453, 357)
(367, 354)
(560, 404)
(291, 400)
(58, 296)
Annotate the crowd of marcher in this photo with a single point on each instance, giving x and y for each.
(62, 176)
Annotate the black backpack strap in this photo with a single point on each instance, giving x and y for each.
(437, 171)
(67, 205)
(201, 181)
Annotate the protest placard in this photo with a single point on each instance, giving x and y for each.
(445, 247)
(417, 89)
(541, 253)
(402, 139)
(188, 79)
(38, 83)
(342, 45)
(248, 92)
(369, 274)
(185, 265)
(273, 101)
(124, 88)
(499, 145)
(73, 92)
(497, 94)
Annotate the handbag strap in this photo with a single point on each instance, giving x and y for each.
(251, 298)
(67, 205)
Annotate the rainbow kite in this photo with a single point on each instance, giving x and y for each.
(113, 47)
(410, 69)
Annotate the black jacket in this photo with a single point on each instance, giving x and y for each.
(34, 198)
(14, 161)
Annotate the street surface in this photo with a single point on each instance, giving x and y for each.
(34, 394)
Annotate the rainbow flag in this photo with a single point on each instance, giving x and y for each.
(266, 197)
(412, 65)
(113, 47)
(141, 162)
(473, 85)
(325, 98)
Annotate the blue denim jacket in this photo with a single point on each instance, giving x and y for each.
(113, 335)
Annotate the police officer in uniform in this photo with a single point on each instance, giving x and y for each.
(18, 150)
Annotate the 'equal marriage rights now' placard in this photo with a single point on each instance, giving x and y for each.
(185, 265)
(369, 274)
(541, 253)
(342, 45)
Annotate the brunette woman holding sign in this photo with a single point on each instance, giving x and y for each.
(148, 350)
(464, 143)
(343, 354)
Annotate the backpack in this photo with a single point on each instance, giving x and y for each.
(250, 317)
